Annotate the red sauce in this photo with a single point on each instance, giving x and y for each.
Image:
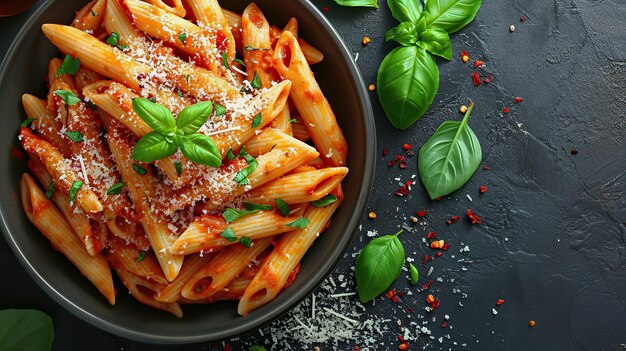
(220, 41)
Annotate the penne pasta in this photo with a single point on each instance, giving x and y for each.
(172, 291)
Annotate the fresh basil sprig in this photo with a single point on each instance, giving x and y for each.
(171, 134)
(404, 34)
(450, 157)
(378, 265)
(450, 15)
(69, 66)
(358, 3)
(437, 42)
(25, 330)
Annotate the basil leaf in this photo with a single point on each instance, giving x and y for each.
(116, 189)
(74, 189)
(283, 208)
(230, 155)
(50, 190)
(256, 207)
(25, 330)
(231, 215)
(378, 265)
(256, 81)
(408, 80)
(225, 60)
(242, 176)
(257, 348)
(27, 122)
(358, 3)
(414, 274)
(325, 201)
(67, 96)
(201, 149)
(450, 15)
(158, 117)
(69, 66)
(140, 170)
(152, 147)
(405, 10)
(179, 168)
(449, 158)
(293, 120)
(183, 38)
(257, 121)
(245, 241)
(141, 257)
(193, 117)
(229, 235)
(437, 42)
(113, 39)
(299, 223)
(239, 61)
(405, 34)
(219, 110)
(75, 136)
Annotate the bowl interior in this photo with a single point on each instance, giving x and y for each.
(24, 69)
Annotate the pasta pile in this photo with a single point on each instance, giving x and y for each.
(176, 231)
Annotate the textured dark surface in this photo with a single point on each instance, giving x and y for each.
(553, 239)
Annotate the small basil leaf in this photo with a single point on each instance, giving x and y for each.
(408, 80)
(229, 235)
(113, 39)
(413, 274)
(193, 117)
(358, 3)
(257, 121)
(74, 189)
(183, 38)
(239, 61)
(67, 96)
(242, 176)
(116, 189)
(179, 168)
(257, 348)
(158, 117)
(301, 223)
(75, 136)
(27, 122)
(405, 34)
(225, 60)
(69, 66)
(152, 147)
(451, 15)
(50, 190)
(405, 10)
(231, 215)
(25, 330)
(141, 257)
(201, 149)
(230, 155)
(378, 265)
(437, 42)
(449, 158)
(245, 241)
(139, 170)
(250, 206)
(256, 81)
(219, 110)
(283, 208)
(325, 201)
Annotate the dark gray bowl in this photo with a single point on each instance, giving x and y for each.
(23, 71)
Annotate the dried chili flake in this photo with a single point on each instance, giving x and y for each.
(444, 324)
(404, 346)
(427, 285)
(482, 189)
(445, 247)
(505, 110)
(438, 254)
(437, 244)
(431, 235)
(403, 165)
(407, 147)
(325, 8)
(531, 323)
(372, 215)
(400, 338)
(385, 151)
(371, 87)
(408, 183)
(402, 293)
(473, 217)
(438, 198)
(518, 99)
(478, 63)
(402, 191)
(485, 168)
(391, 163)
(390, 293)
(464, 56)
(366, 40)
(408, 310)
(226, 347)
(573, 151)
(434, 305)
(522, 18)
(399, 157)
(356, 348)
(476, 79)
(421, 213)
(426, 259)
(394, 299)
(488, 79)
(499, 302)
(430, 298)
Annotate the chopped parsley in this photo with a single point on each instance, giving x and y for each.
(245, 241)
(299, 223)
(325, 201)
(283, 208)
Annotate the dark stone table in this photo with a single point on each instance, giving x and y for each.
(553, 240)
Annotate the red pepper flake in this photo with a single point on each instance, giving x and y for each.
(399, 157)
(437, 199)
(403, 165)
(438, 254)
(404, 346)
(408, 310)
(426, 259)
(476, 79)
(430, 298)
(421, 213)
(391, 163)
(402, 192)
(427, 285)
(505, 110)
(485, 168)
(478, 63)
(482, 189)
(522, 18)
(573, 151)
(385, 151)
(402, 293)
(356, 348)
(407, 147)
(434, 305)
(518, 99)
(437, 244)
(432, 235)
(444, 324)
(488, 79)
(499, 302)
(325, 8)
(464, 56)
(394, 299)
(445, 247)
(400, 338)
(226, 347)
(390, 293)
(473, 217)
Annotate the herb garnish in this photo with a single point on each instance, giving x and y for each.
(229, 235)
(25, 330)
(245, 241)
(242, 176)
(141, 257)
(239, 61)
(75, 136)
(179, 167)
(413, 274)
(325, 201)
(231, 214)
(116, 189)
(67, 96)
(283, 208)
(139, 170)
(114, 40)
(69, 66)
(301, 223)
(74, 189)
(50, 190)
(359, 3)
(27, 122)
(257, 121)
(256, 81)
(183, 38)
(225, 60)
(219, 110)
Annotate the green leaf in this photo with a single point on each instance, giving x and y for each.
(74, 189)
(229, 235)
(378, 265)
(230, 155)
(152, 147)
(405, 34)
(242, 176)
(69, 66)
(139, 170)
(201, 149)
(437, 42)
(293, 120)
(256, 81)
(325, 201)
(75, 136)
(193, 117)
(257, 121)
(50, 190)
(450, 15)
(25, 330)
(113, 39)
(158, 117)
(358, 3)
(405, 10)
(27, 122)
(219, 110)
(239, 61)
(449, 158)
(67, 96)
(179, 168)
(408, 80)
(283, 208)
(116, 189)
(299, 223)
(183, 38)
(250, 206)
(225, 60)
(141, 257)
(257, 348)
(245, 241)
(231, 215)
(414, 274)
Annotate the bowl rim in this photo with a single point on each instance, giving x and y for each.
(292, 300)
